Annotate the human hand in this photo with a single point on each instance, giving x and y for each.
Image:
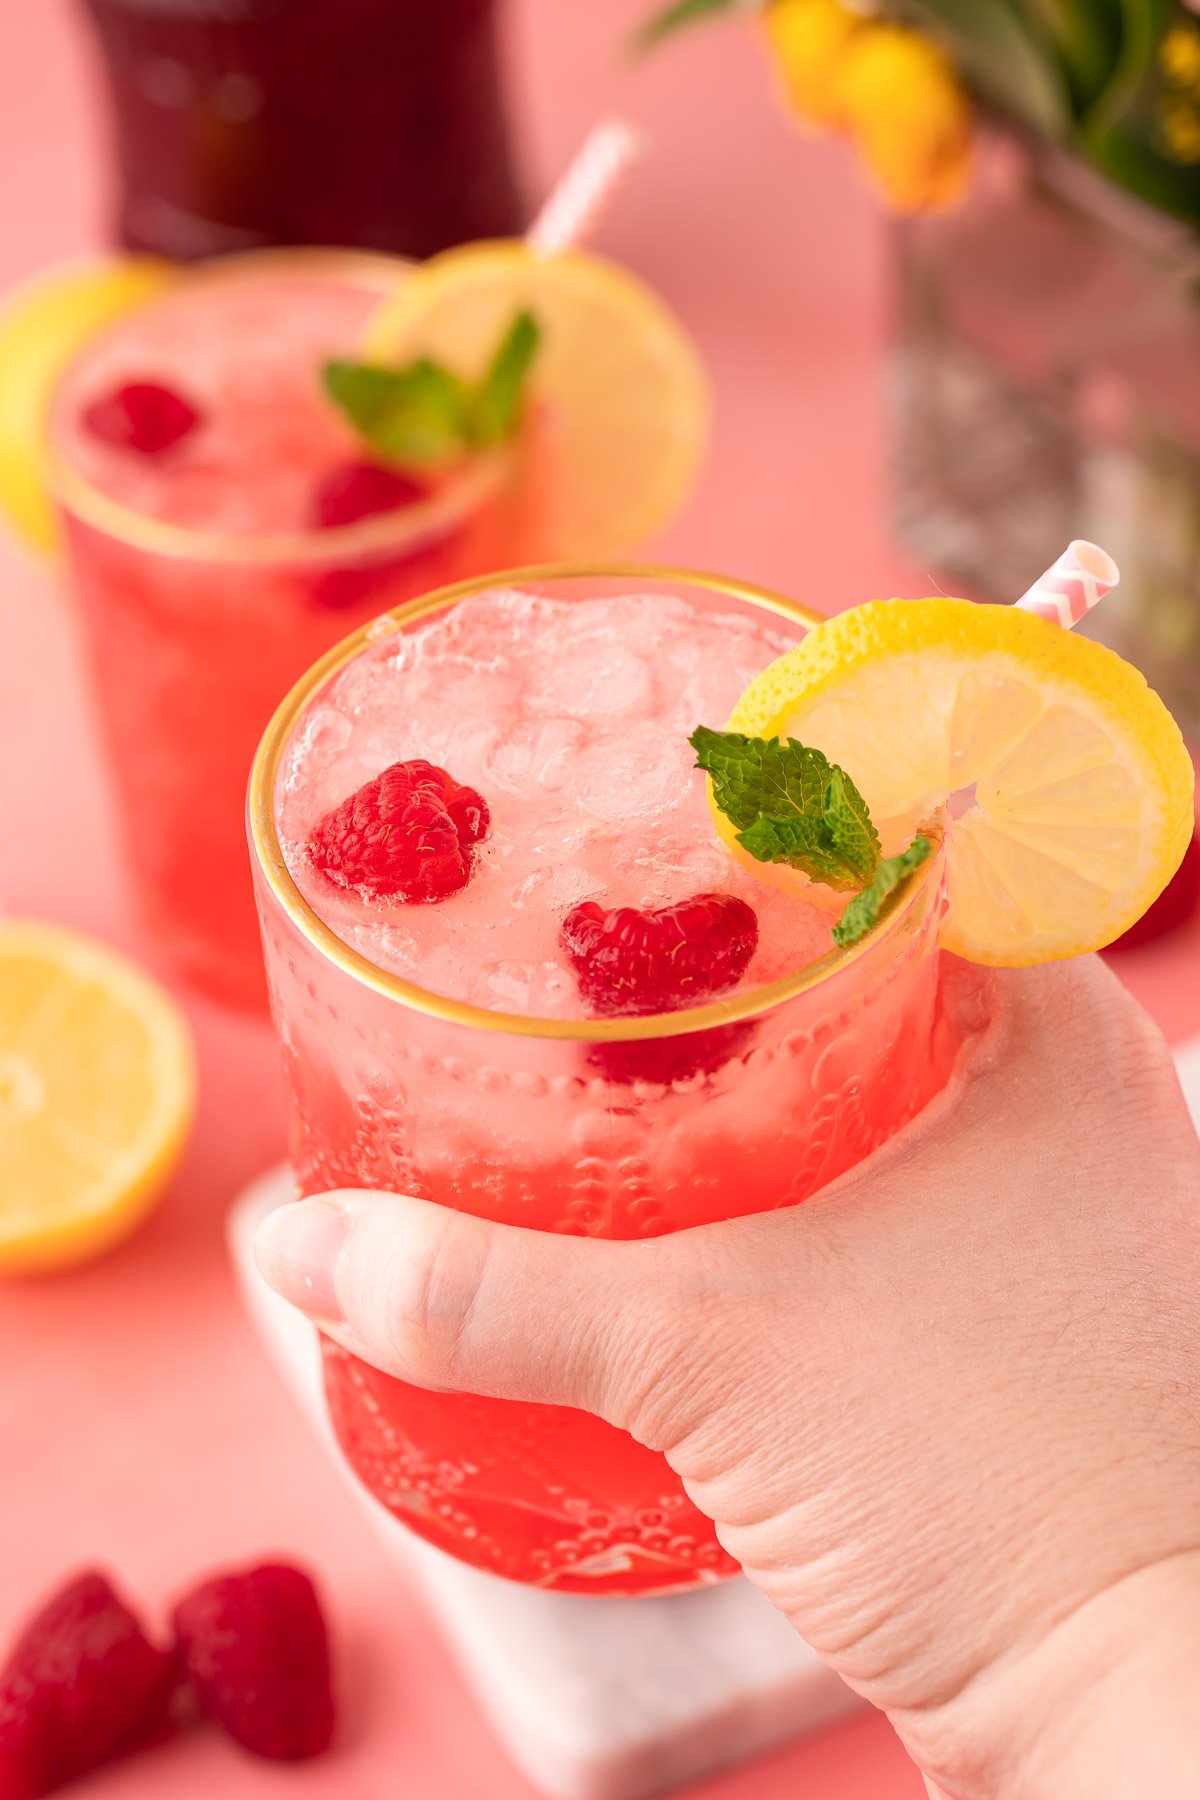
(946, 1413)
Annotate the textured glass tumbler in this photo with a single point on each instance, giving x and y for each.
(513, 1119)
(193, 636)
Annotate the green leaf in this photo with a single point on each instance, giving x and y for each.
(790, 804)
(1124, 130)
(848, 826)
(425, 413)
(997, 52)
(757, 777)
(683, 12)
(414, 415)
(864, 910)
(1086, 34)
(500, 398)
(801, 843)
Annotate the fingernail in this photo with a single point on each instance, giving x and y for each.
(297, 1248)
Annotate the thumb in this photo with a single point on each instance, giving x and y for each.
(449, 1301)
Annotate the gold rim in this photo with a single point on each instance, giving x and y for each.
(408, 530)
(269, 854)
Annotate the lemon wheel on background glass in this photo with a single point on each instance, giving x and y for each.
(42, 324)
(619, 411)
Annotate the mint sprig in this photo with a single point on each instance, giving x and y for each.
(498, 403)
(789, 804)
(863, 911)
(424, 414)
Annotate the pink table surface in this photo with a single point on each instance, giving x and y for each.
(140, 1427)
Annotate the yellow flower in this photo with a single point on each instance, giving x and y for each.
(808, 40)
(1180, 123)
(1180, 55)
(910, 114)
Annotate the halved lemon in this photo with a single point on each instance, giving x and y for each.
(620, 411)
(42, 324)
(97, 1091)
(1067, 787)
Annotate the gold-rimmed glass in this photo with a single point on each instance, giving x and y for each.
(521, 1120)
(193, 634)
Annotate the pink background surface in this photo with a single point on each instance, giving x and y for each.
(140, 1427)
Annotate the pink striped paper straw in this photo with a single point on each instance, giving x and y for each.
(1083, 574)
(573, 210)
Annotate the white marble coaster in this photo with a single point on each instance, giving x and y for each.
(1187, 1061)
(594, 1699)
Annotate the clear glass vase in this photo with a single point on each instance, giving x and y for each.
(1046, 385)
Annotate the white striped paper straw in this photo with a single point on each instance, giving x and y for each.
(1083, 574)
(572, 211)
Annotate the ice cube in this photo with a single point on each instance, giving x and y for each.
(596, 676)
(536, 752)
(640, 778)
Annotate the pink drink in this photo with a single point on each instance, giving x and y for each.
(444, 1049)
(245, 122)
(206, 586)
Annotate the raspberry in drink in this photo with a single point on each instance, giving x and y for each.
(516, 972)
(225, 527)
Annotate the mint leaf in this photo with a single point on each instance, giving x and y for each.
(863, 911)
(500, 397)
(425, 413)
(790, 804)
(848, 826)
(801, 842)
(755, 778)
(412, 415)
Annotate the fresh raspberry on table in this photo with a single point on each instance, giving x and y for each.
(255, 1649)
(360, 490)
(627, 961)
(407, 834)
(142, 416)
(82, 1685)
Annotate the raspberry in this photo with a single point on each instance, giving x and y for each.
(141, 416)
(362, 491)
(408, 834)
(83, 1685)
(255, 1649)
(1176, 904)
(359, 491)
(627, 961)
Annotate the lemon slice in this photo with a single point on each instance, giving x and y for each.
(1068, 790)
(42, 324)
(619, 420)
(97, 1088)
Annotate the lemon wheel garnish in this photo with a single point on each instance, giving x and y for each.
(97, 1088)
(620, 408)
(1067, 787)
(42, 324)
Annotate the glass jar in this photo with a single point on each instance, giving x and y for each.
(373, 123)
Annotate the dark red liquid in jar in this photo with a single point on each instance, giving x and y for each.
(375, 123)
